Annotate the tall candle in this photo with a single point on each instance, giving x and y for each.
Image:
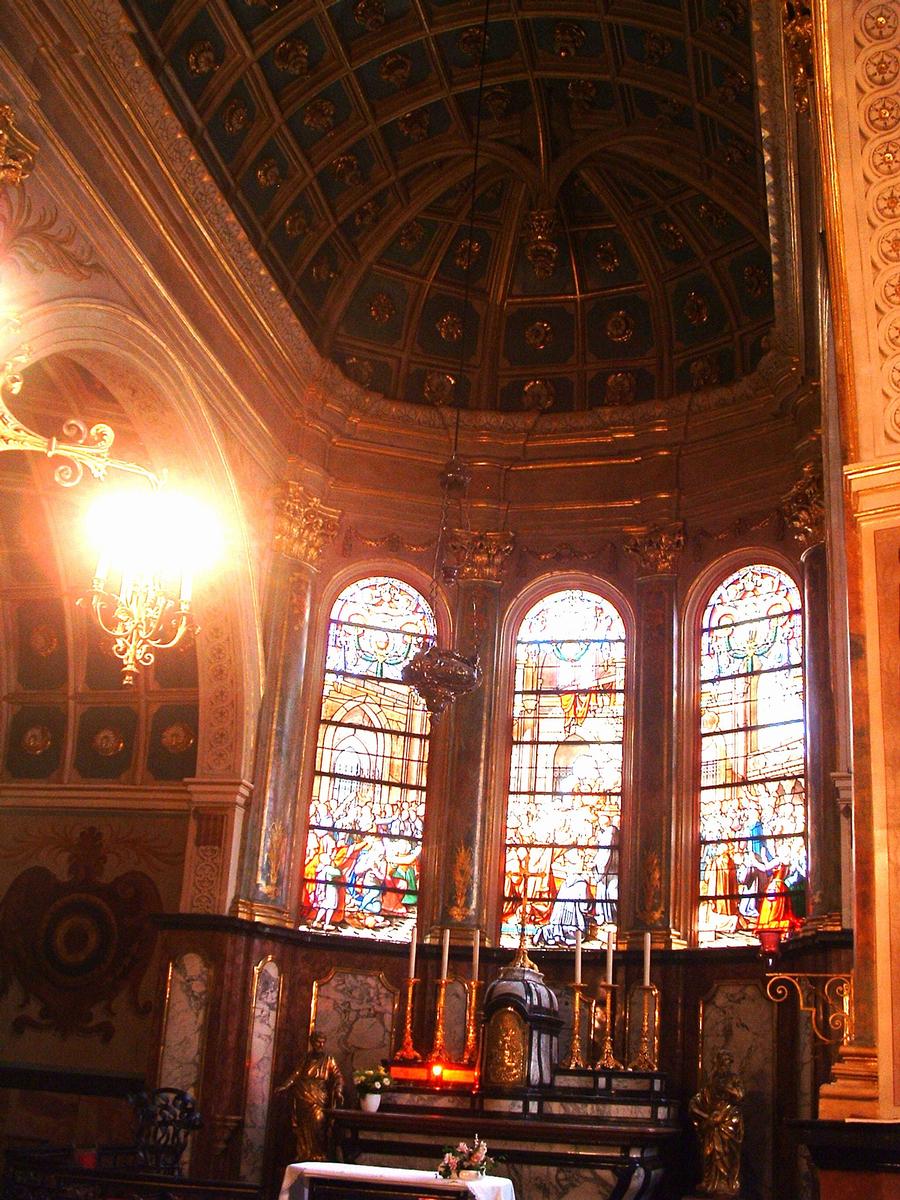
(476, 952)
(646, 960)
(412, 953)
(445, 953)
(610, 934)
(578, 956)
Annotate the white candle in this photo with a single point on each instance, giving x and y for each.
(646, 960)
(445, 953)
(412, 953)
(610, 934)
(476, 952)
(578, 956)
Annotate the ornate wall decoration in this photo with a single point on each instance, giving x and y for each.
(620, 326)
(620, 387)
(303, 525)
(582, 93)
(369, 14)
(803, 508)
(439, 388)
(467, 253)
(704, 372)
(414, 125)
(471, 41)
(292, 56)
(74, 944)
(235, 116)
(463, 874)
(359, 369)
(323, 271)
(538, 395)
(713, 214)
(295, 223)
(410, 235)
(540, 249)
(650, 907)
(568, 38)
(670, 235)
(657, 48)
(319, 115)
(497, 99)
(346, 169)
(506, 1048)
(539, 335)
(696, 309)
(478, 555)
(268, 173)
(37, 241)
(381, 308)
(450, 327)
(366, 215)
(395, 69)
(657, 550)
(201, 59)
(17, 153)
(798, 42)
(607, 257)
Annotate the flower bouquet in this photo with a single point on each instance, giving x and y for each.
(465, 1162)
(372, 1080)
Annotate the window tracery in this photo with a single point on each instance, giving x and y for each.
(361, 870)
(565, 783)
(752, 789)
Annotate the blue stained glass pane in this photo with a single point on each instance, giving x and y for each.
(565, 782)
(753, 864)
(361, 873)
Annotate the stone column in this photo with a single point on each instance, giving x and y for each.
(479, 559)
(803, 512)
(645, 884)
(303, 525)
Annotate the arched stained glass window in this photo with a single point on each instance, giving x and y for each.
(752, 756)
(565, 781)
(361, 873)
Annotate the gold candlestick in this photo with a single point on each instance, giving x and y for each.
(408, 1052)
(648, 1048)
(471, 1051)
(607, 1060)
(439, 1048)
(575, 1061)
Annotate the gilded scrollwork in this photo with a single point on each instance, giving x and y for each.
(803, 508)
(657, 550)
(17, 153)
(303, 524)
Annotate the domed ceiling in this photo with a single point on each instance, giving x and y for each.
(618, 247)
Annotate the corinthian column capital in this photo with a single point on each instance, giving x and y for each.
(303, 524)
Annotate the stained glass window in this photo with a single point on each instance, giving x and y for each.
(565, 781)
(752, 756)
(361, 872)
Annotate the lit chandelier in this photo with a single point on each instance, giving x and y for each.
(439, 674)
(143, 604)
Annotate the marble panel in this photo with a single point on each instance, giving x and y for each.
(561, 1183)
(184, 1035)
(737, 1017)
(455, 1019)
(259, 1071)
(355, 1010)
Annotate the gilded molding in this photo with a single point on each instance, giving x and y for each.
(657, 550)
(474, 554)
(17, 153)
(803, 508)
(303, 525)
(37, 241)
(798, 41)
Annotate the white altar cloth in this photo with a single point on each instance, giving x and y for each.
(294, 1186)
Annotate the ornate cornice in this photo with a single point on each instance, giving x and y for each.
(798, 41)
(803, 508)
(303, 525)
(38, 241)
(657, 550)
(474, 554)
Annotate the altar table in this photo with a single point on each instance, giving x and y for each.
(303, 1181)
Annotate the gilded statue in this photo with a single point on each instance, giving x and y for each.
(316, 1087)
(717, 1117)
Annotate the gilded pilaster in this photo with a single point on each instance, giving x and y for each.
(478, 560)
(303, 527)
(646, 904)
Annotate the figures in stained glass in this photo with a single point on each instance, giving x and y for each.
(361, 872)
(564, 800)
(752, 753)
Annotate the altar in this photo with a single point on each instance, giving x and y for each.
(349, 1181)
